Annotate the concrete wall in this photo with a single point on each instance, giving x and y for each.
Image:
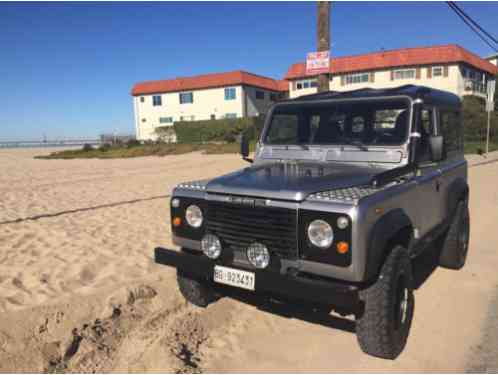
(454, 82)
(207, 102)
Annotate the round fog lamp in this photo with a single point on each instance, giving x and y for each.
(211, 246)
(320, 234)
(193, 214)
(258, 255)
(342, 222)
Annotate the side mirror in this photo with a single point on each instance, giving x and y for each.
(244, 147)
(436, 147)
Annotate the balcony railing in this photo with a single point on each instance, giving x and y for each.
(475, 86)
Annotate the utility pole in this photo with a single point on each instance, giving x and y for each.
(323, 39)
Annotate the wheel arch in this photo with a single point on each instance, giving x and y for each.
(393, 228)
(457, 191)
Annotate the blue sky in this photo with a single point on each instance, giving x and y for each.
(67, 68)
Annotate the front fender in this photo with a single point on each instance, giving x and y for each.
(385, 229)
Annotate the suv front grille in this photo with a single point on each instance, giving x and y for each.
(239, 226)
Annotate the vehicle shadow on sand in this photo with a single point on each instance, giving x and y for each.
(423, 267)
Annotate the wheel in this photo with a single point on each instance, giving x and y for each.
(456, 243)
(196, 291)
(382, 330)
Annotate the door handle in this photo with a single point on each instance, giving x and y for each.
(438, 184)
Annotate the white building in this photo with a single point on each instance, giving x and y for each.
(451, 68)
(493, 59)
(241, 94)
(211, 96)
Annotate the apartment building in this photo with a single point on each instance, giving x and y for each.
(210, 96)
(450, 67)
(493, 59)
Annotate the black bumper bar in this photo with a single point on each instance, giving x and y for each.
(291, 286)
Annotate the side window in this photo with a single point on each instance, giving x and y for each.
(450, 127)
(426, 130)
(283, 130)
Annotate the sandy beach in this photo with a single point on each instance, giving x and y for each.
(79, 291)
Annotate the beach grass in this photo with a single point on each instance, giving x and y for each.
(165, 149)
(158, 149)
(479, 147)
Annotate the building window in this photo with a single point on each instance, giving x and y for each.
(165, 120)
(356, 78)
(404, 74)
(142, 99)
(260, 95)
(306, 84)
(143, 120)
(437, 71)
(156, 100)
(230, 115)
(213, 117)
(186, 97)
(273, 97)
(230, 93)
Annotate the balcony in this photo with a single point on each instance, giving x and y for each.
(474, 87)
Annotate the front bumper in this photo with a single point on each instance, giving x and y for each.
(294, 286)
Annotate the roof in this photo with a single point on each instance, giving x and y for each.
(206, 81)
(429, 95)
(400, 57)
(283, 85)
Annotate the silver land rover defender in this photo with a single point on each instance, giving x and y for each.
(344, 191)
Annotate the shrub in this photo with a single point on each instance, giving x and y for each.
(217, 130)
(104, 147)
(132, 143)
(87, 147)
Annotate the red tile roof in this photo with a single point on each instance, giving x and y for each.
(283, 85)
(397, 58)
(205, 81)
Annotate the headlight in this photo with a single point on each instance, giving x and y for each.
(320, 234)
(193, 214)
(175, 203)
(258, 255)
(211, 246)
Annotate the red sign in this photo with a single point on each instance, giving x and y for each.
(318, 62)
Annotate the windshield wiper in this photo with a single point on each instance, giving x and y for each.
(355, 142)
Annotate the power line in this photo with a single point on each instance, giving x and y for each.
(472, 27)
(474, 22)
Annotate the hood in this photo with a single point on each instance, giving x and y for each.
(290, 180)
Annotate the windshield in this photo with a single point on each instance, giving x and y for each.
(363, 123)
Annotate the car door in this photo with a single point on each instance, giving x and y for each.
(428, 176)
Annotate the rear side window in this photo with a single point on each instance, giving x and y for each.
(450, 127)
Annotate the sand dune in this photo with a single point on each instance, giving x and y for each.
(79, 291)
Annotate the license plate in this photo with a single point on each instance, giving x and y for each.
(234, 277)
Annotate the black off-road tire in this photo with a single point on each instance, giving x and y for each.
(196, 291)
(383, 328)
(456, 242)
